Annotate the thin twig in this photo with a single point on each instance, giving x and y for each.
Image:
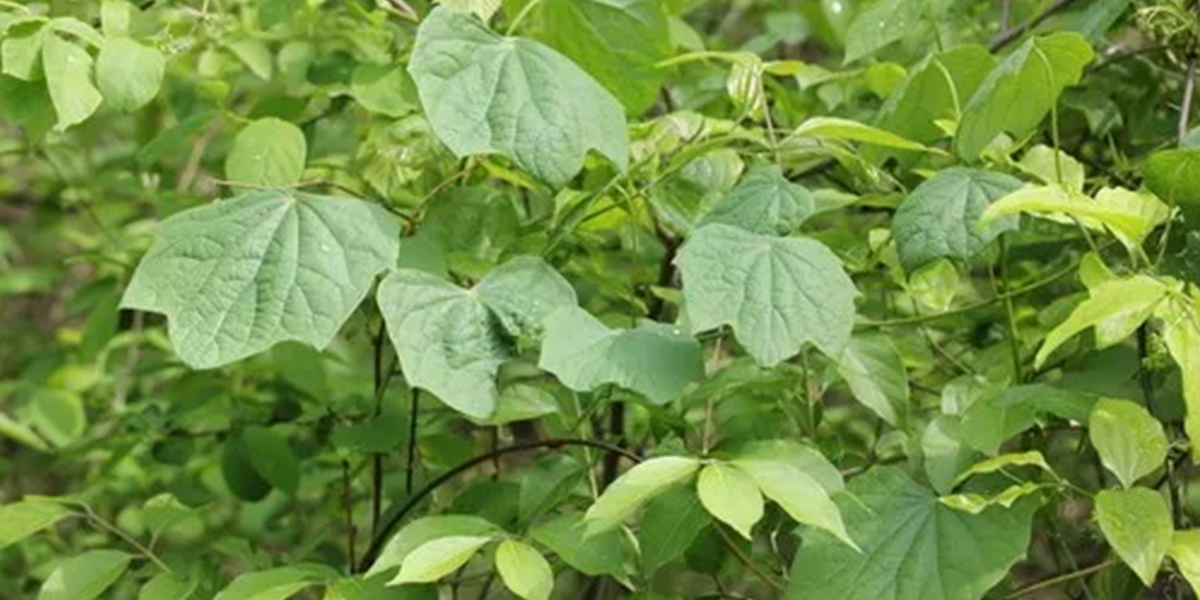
(748, 562)
(411, 464)
(1007, 37)
(1053, 581)
(125, 537)
(348, 506)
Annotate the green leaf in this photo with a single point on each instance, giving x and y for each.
(1131, 443)
(437, 558)
(68, 69)
(86, 576)
(634, 488)
(944, 452)
(801, 496)
(1130, 216)
(1021, 90)
(1032, 458)
(934, 91)
(167, 586)
(269, 152)
(547, 482)
(1046, 164)
(239, 473)
(115, 17)
(451, 341)
(1137, 524)
(524, 571)
(776, 293)
(1132, 300)
(913, 546)
(520, 402)
(730, 495)
(654, 359)
(273, 458)
(128, 73)
(1181, 334)
(473, 226)
(1174, 176)
(595, 555)
(940, 218)
(803, 458)
(59, 416)
(424, 530)
(484, 9)
(977, 503)
(619, 42)
(763, 202)
(1185, 551)
(671, 522)
(383, 89)
(487, 94)
(21, 48)
(376, 589)
(255, 55)
(881, 22)
(27, 105)
(23, 519)
(833, 128)
(238, 276)
(874, 370)
(21, 433)
(275, 584)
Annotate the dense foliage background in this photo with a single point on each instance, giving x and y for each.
(593, 299)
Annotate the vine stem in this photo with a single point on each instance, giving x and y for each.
(1053, 581)
(763, 574)
(384, 532)
(525, 12)
(348, 507)
(410, 467)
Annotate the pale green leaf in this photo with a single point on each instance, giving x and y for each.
(68, 69)
(1044, 163)
(940, 218)
(1132, 300)
(524, 571)
(86, 576)
(833, 128)
(874, 370)
(437, 558)
(424, 530)
(776, 293)
(654, 359)
(128, 73)
(23, 519)
(115, 18)
(384, 89)
(1032, 458)
(255, 55)
(634, 488)
(977, 503)
(913, 546)
(801, 496)
(763, 202)
(21, 433)
(236, 277)
(1131, 442)
(1181, 334)
(804, 458)
(484, 9)
(275, 584)
(377, 589)
(269, 152)
(1137, 524)
(488, 94)
(731, 496)
(21, 48)
(167, 586)
(1185, 551)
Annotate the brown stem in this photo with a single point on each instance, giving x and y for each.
(1059, 579)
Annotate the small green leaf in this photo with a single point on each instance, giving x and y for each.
(84, 577)
(68, 69)
(167, 586)
(1132, 300)
(1185, 551)
(1181, 334)
(634, 488)
(255, 55)
(875, 372)
(944, 451)
(484, 9)
(524, 571)
(776, 293)
(269, 152)
(129, 74)
(595, 555)
(763, 202)
(424, 530)
(115, 17)
(654, 360)
(977, 503)
(383, 89)
(940, 218)
(801, 496)
(59, 416)
(833, 128)
(276, 584)
(238, 276)
(881, 22)
(1137, 524)
(23, 519)
(671, 522)
(437, 558)
(1174, 175)
(731, 496)
(1131, 442)
(488, 94)
(1032, 458)
(273, 458)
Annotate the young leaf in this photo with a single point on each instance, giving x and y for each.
(84, 577)
(731, 496)
(276, 584)
(776, 293)
(913, 546)
(269, 152)
(672, 521)
(654, 360)
(427, 529)
(238, 276)
(799, 495)
(634, 488)
(1130, 216)
(27, 517)
(1137, 524)
(1132, 300)
(940, 218)
(833, 128)
(1131, 442)
(874, 370)
(128, 73)
(68, 69)
(977, 503)
(1185, 551)
(763, 202)
(1021, 90)
(595, 555)
(524, 571)
(1032, 458)
(537, 108)
(437, 558)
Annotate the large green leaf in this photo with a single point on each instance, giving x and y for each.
(1021, 90)
(730, 495)
(874, 370)
(913, 546)
(424, 530)
(939, 219)
(763, 202)
(451, 340)
(934, 91)
(1137, 524)
(488, 94)
(23, 519)
(128, 73)
(636, 487)
(276, 584)
(86, 576)
(654, 359)
(776, 293)
(1131, 442)
(619, 42)
(524, 571)
(268, 152)
(800, 495)
(238, 276)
